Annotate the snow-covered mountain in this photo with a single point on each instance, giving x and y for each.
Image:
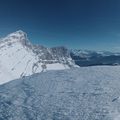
(85, 93)
(92, 58)
(18, 57)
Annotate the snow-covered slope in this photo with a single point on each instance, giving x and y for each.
(86, 93)
(18, 58)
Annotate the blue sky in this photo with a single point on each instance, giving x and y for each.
(83, 24)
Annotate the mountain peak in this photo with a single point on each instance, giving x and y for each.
(18, 33)
(18, 36)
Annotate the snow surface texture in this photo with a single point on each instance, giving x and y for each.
(19, 58)
(89, 93)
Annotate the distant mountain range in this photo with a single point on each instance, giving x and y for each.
(93, 58)
(19, 57)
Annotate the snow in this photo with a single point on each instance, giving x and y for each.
(14, 61)
(18, 60)
(86, 93)
(56, 66)
(60, 93)
(117, 117)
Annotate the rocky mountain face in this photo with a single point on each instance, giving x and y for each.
(19, 58)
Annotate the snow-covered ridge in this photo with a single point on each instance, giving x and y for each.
(18, 57)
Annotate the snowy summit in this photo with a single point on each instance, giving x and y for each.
(20, 58)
